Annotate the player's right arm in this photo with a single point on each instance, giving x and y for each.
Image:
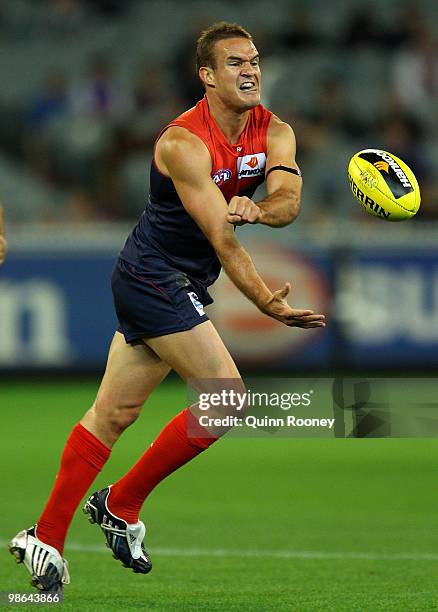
(3, 243)
(184, 158)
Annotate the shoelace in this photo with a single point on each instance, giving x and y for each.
(135, 546)
(111, 529)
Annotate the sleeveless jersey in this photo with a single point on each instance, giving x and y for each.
(166, 237)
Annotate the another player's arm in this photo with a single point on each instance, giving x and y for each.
(184, 158)
(3, 243)
(282, 203)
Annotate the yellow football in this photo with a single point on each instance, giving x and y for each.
(384, 185)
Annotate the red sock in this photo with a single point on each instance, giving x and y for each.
(82, 459)
(172, 449)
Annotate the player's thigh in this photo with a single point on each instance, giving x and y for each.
(195, 353)
(200, 357)
(132, 373)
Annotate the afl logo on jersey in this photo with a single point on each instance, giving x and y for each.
(221, 176)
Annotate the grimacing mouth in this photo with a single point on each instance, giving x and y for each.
(248, 85)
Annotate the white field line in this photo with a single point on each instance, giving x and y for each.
(271, 554)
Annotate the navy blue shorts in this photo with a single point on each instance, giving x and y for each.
(156, 303)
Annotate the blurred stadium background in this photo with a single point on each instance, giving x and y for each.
(301, 524)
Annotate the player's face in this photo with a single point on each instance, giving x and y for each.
(237, 73)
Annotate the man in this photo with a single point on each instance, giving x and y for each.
(207, 164)
(3, 243)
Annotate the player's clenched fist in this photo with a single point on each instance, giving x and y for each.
(242, 210)
(3, 243)
(279, 309)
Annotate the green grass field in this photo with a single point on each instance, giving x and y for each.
(253, 524)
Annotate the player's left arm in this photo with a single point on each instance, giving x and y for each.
(283, 200)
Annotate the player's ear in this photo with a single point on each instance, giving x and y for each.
(206, 75)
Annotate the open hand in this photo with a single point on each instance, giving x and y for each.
(279, 309)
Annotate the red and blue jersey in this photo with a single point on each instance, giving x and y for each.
(165, 233)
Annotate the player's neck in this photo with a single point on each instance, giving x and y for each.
(231, 123)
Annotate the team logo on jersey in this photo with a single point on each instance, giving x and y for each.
(251, 165)
(221, 176)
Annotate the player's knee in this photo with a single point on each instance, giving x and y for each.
(120, 419)
(117, 416)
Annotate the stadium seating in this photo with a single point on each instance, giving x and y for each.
(33, 45)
